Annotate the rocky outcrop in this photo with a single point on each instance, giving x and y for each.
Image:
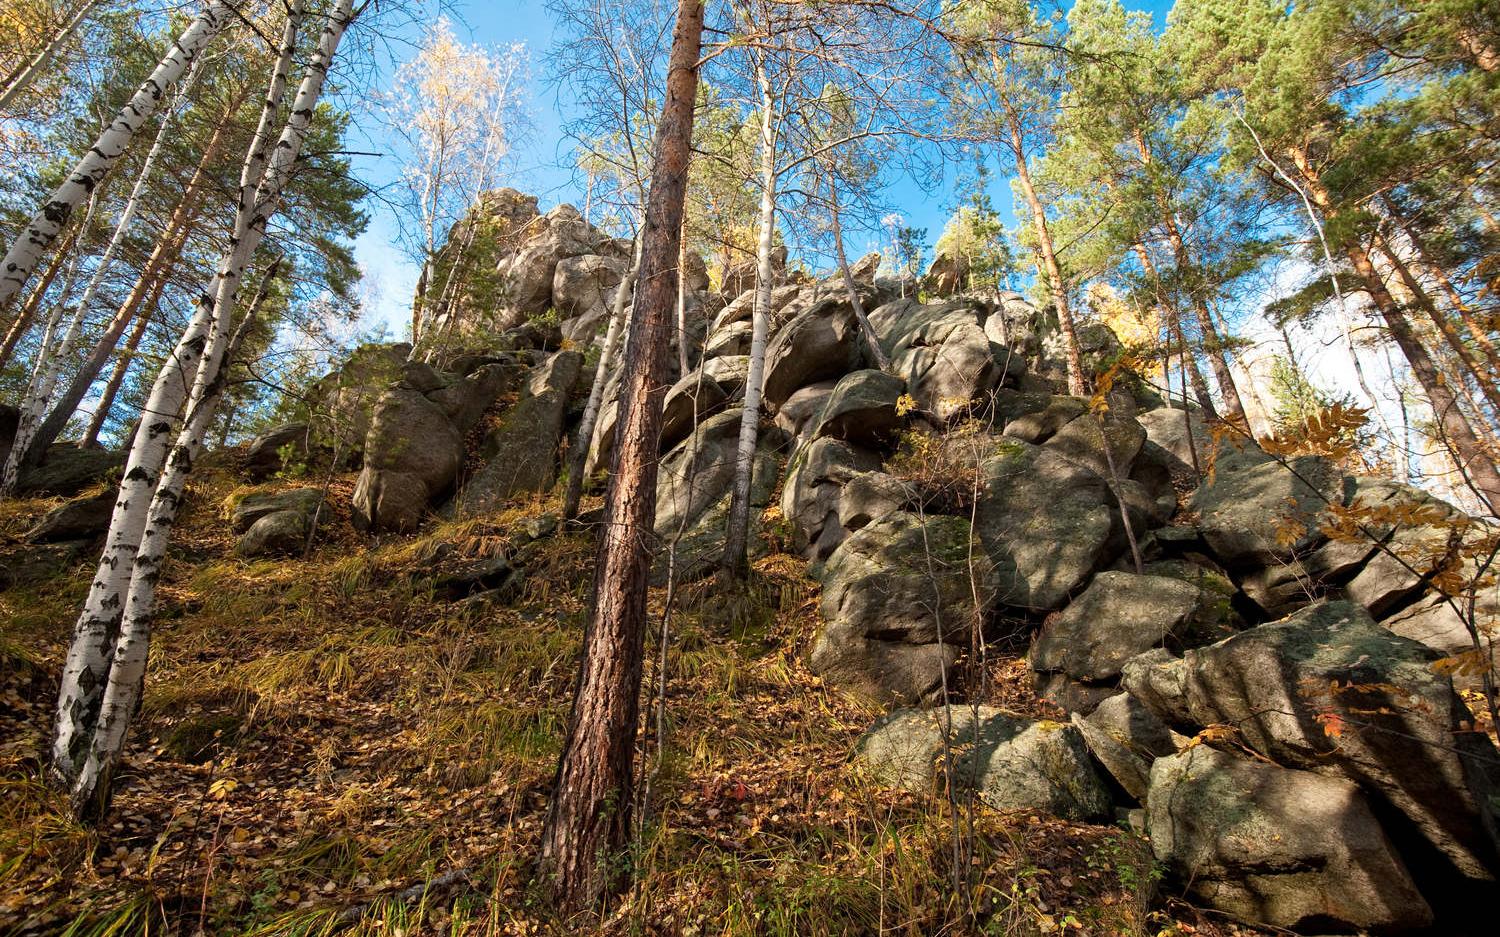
(523, 449)
(1011, 763)
(277, 522)
(944, 355)
(79, 519)
(901, 598)
(1270, 845)
(278, 448)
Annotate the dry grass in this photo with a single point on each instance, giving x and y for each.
(321, 738)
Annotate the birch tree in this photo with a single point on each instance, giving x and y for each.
(16, 83)
(31, 245)
(56, 351)
(105, 669)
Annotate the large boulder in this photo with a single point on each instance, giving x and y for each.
(1047, 523)
(1082, 442)
(276, 449)
(246, 510)
(822, 342)
(412, 453)
(1437, 623)
(464, 400)
(1012, 763)
(341, 403)
(79, 519)
(1260, 514)
(862, 408)
(1331, 691)
(583, 288)
(68, 470)
(942, 352)
(523, 449)
(1269, 845)
(815, 478)
(1127, 737)
(901, 598)
(1117, 617)
(283, 532)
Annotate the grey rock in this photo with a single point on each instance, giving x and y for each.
(265, 455)
(1012, 763)
(1168, 428)
(810, 495)
(803, 406)
(32, 563)
(943, 354)
(465, 401)
(1287, 848)
(343, 402)
(524, 446)
(1047, 524)
(1117, 617)
(389, 500)
(1126, 737)
(1244, 508)
(79, 519)
(1435, 622)
(899, 602)
(823, 342)
(1039, 425)
(862, 408)
(279, 532)
(1158, 678)
(867, 498)
(1273, 683)
(254, 506)
(412, 437)
(69, 470)
(1082, 443)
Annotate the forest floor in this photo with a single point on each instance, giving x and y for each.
(328, 745)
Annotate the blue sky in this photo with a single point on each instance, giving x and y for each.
(543, 171)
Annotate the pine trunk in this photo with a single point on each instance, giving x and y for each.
(1050, 267)
(24, 255)
(588, 821)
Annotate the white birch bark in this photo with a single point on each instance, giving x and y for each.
(24, 255)
(52, 356)
(578, 456)
(737, 536)
(28, 74)
(122, 692)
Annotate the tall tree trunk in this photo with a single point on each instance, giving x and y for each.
(578, 456)
(106, 664)
(1191, 375)
(24, 255)
(735, 559)
(588, 821)
(1213, 343)
(28, 310)
(1420, 298)
(24, 449)
(683, 365)
(1056, 284)
(158, 265)
(1473, 461)
(22, 79)
(1476, 330)
(90, 437)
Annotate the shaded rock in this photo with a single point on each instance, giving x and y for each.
(1168, 428)
(899, 602)
(1287, 848)
(943, 354)
(862, 408)
(1082, 442)
(1039, 425)
(1399, 735)
(410, 437)
(1117, 617)
(69, 470)
(823, 342)
(79, 519)
(1158, 678)
(1047, 524)
(283, 532)
(584, 286)
(732, 339)
(1244, 509)
(252, 507)
(272, 450)
(1385, 581)
(1012, 763)
(464, 401)
(524, 446)
(32, 563)
(1434, 622)
(343, 402)
(810, 495)
(802, 407)
(869, 497)
(1126, 737)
